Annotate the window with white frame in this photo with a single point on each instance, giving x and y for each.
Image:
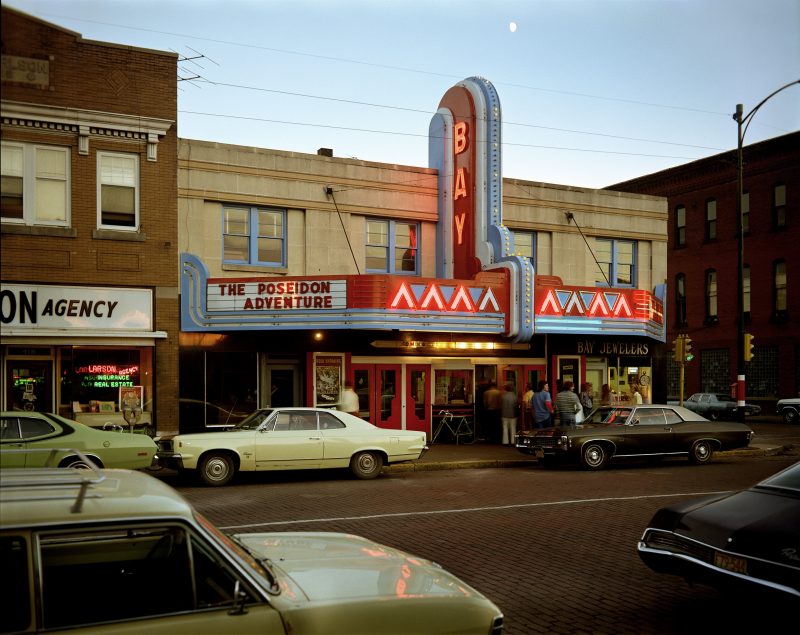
(780, 286)
(392, 247)
(525, 245)
(711, 296)
(118, 191)
(35, 184)
(711, 219)
(617, 260)
(680, 225)
(254, 236)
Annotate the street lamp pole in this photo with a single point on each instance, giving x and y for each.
(744, 120)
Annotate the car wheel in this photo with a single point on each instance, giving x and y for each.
(713, 416)
(366, 465)
(77, 462)
(594, 456)
(216, 468)
(790, 415)
(701, 452)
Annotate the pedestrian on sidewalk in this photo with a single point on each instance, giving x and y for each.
(567, 404)
(586, 398)
(542, 406)
(492, 404)
(526, 411)
(508, 407)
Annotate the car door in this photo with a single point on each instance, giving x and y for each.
(289, 440)
(649, 433)
(10, 440)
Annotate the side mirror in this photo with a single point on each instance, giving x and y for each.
(239, 598)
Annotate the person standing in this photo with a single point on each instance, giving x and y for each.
(492, 404)
(567, 404)
(542, 405)
(637, 396)
(508, 413)
(349, 399)
(527, 408)
(606, 396)
(586, 399)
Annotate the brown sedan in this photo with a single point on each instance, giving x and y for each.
(650, 431)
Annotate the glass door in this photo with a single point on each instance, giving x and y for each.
(418, 398)
(29, 385)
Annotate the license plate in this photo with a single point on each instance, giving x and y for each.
(730, 563)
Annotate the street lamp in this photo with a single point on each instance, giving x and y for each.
(740, 396)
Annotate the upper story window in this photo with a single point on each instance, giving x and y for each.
(680, 226)
(746, 288)
(254, 235)
(711, 296)
(392, 247)
(118, 191)
(779, 286)
(680, 299)
(746, 212)
(617, 260)
(711, 219)
(525, 245)
(779, 206)
(35, 184)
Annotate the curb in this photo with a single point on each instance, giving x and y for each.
(421, 466)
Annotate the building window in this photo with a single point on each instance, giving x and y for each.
(711, 219)
(746, 212)
(117, 191)
(763, 372)
(680, 226)
(392, 247)
(35, 184)
(779, 206)
(779, 286)
(746, 289)
(254, 236)
(525, 245)
(711, 296)
(617, 260)
(680, 299)
(715, 370)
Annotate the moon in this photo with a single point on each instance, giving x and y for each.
(512, 26)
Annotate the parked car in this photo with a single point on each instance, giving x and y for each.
(744, 541)
(716, 406)
(789, 409)
(644, 431)
(44, 431)
(290, 439)
(111, 551)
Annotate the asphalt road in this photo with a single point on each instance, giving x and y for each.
(555, 550)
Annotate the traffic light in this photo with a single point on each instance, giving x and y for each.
(687, 349)
(677, 350)
(748, 347)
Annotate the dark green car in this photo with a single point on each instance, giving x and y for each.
(23, 431)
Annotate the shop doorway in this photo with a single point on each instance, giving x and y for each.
(418, 398)
(379, 397)
(281, 386)
(29, 385)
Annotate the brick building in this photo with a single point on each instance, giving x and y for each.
(703, 267)
(89, 302)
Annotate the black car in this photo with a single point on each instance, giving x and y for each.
(744, 541)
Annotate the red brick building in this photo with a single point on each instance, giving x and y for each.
(89, 282)
(703, 267)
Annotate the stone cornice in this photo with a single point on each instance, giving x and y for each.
(86, 123)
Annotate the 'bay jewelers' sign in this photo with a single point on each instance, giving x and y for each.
(275, 295)
(25, 306)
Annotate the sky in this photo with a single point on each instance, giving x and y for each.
(593, 92)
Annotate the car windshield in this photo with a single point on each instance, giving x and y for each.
(254, 420)
(788, 479)
(609, 414)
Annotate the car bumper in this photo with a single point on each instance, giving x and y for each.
(718, 569)
(169, 461)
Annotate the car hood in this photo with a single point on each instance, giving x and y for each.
(325, 566)
(755, 523)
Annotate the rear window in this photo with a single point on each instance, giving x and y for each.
(15, 584)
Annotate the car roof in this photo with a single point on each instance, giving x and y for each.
(31, 497)
(684, 413)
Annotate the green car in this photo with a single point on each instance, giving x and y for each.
(21, 432)
(117, 551)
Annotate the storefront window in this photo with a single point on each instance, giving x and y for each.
(453, 387)
(97, 379)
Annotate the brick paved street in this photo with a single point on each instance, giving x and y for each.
(556, 550)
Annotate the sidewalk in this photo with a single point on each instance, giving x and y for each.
(449, 456)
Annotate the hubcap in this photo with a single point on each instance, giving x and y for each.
(216, 469)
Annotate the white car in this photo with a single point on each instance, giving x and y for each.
(290, 439)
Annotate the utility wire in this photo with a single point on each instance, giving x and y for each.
(329, 192)
(571, 217)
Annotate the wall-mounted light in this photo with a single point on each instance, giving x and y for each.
(318, 336)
